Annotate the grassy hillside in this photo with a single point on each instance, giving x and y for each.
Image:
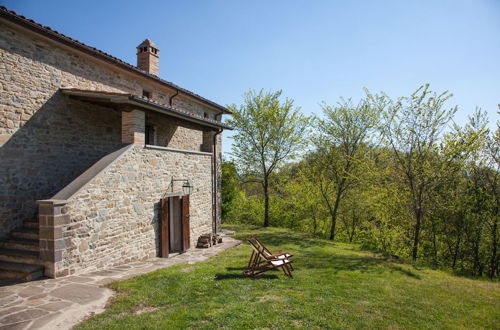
(335, 286)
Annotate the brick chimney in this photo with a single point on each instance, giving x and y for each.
(148, 56)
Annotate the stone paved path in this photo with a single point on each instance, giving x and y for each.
(62, 303)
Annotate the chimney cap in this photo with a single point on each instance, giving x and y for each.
(147, 42)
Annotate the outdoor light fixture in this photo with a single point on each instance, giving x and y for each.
(187, 187)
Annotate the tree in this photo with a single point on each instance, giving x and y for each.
(493, 147)
(304, 198)
(340, 148)
(267, 133)
(229, 187)
(429, 191)
(412, 127)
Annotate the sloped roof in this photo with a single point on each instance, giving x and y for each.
(147, 42)
(54, 35)
(138, 102)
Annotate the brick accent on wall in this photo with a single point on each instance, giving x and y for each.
(148, 63)
(133, 127)
(148, 57)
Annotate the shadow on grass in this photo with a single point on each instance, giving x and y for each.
(405, 272)
(219, 277)
(312, 253)
(300, 241)
(363, 264)
(236, 268)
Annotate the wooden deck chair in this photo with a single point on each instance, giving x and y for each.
(259, 262)
(277, 253)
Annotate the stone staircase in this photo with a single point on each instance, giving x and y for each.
(19, 253)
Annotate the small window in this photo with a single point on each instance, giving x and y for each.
(146, 94)
(205, 115)
(150, 135)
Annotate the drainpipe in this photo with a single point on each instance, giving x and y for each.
(214, 183)
(170, 100)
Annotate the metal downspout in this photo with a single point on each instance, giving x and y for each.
(170, 100)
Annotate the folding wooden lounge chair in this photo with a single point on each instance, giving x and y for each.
(277, 253)
(260, 262)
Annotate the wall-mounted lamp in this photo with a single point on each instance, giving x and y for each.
(187, 187)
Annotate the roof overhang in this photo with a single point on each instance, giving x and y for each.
(129, 101)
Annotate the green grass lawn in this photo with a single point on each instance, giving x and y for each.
(335, 286)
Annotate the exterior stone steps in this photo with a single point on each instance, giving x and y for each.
(20, 244)
(19, 256)
(26, 233)
(20, 272)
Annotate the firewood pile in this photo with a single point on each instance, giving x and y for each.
(207, 240)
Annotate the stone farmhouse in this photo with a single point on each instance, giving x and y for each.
(101, 162)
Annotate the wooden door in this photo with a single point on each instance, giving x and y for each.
(176, 226)
(164, 227)
(185, 223)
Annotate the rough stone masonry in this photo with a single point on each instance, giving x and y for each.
(48, 139)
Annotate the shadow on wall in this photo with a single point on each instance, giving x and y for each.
(164, 128)
(155, 222)
(61, 140)
(175, 133)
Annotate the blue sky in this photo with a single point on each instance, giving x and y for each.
(313, 50)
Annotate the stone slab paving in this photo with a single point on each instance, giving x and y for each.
(61, 303)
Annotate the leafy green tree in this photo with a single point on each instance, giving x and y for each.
(229, 187)
(493, 148)
(268, 131)
(301, 206)
(340, 145)
(431, 190)
(412, 127)
(493, 156)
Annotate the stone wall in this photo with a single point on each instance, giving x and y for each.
(46, 139)
(61, 140)
(174, 133)
(114, 219)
